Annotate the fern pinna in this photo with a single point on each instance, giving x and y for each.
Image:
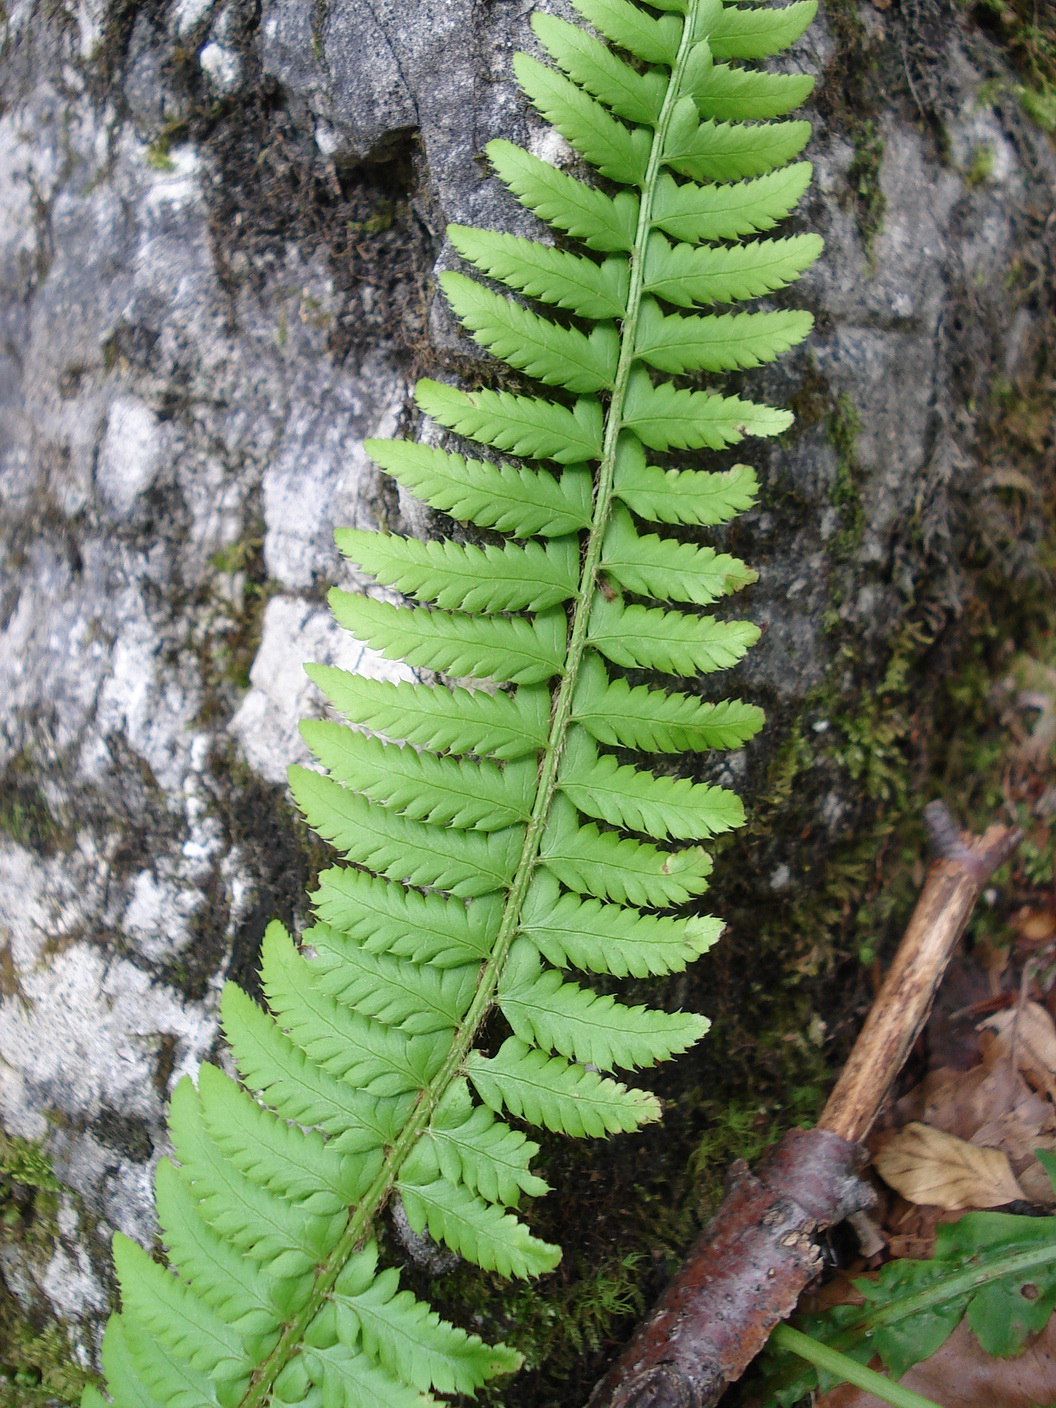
(496, 834)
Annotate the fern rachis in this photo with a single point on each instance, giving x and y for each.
(493, 840)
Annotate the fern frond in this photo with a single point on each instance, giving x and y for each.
(602, 223)
(687, 275)
(389, 918)
(694, 213)
(657, 721)
(571, 932)
(665, 417)
(448, 720)
(465, 577)
(720, 343)
(547, 1091)
(601, 863)
(524, 425)
(518, 501)
(415, 997)
(553, 276)
(586, 1026)
(406, 1337)
(669, 571)
(554, 355)
(483, 647)
(491, 843)
(421, 785)
(637, 800)
(742, 33)
(634, 96)
(640, 637)
(477, 1230)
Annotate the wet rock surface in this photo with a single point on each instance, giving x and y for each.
(216, 230)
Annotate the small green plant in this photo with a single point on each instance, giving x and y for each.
(504, 830)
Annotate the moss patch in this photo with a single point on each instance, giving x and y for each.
(850, 97)
(37, 1363)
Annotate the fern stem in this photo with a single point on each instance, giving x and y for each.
(374, 1200)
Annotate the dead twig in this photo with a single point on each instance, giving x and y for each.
(749, 1267)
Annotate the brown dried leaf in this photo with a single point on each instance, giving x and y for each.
(1027, 1035)
(961, 1375)
(926, 1165)
(1035, 926)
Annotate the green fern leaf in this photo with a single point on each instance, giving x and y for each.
(603, 223)
(465, 577)
(547, 1091)
(443, 720)
(694, 497)
(609, 866)
(747, 95)
(665, 417)
(470, 1146)
(620, 153)
(670, 571)
(586, 1026)
(361, 1050)
(728, 151)
(483, 647)
(638, 800)
(518, 501)
(523, 425)
(639, 637)
(477, 1230)
(406, 1337)
(490, 840)
(234, 1289)
(351, 1377)
(687, 276)
(550, 275)
(636, 97)
(388, 918)
(167, 1378)
(655, 41)
(443, 791)
(720, 343)
(614, 712)
(466, 863)
(690, 212)
(168, 1310)
(756, 34)
(298, 1164)
(415, 997)
(127, 1389)
(606, 938)
(279, 1235)
(554, 355)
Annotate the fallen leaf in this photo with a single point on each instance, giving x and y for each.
(1036, 926)
(927, 1165)
(962, 1375)
(1027, 1036)
(962, 1102)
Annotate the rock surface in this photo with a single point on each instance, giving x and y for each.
(215, 236)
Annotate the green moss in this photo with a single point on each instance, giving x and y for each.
(1028, 32)
(851, 96)
(38, 1365)
(842, 426)
(25, 814)
(980, 165)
